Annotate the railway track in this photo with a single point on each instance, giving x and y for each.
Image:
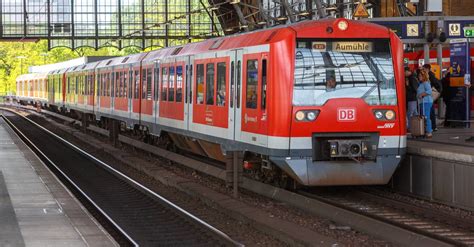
(428, 222)
(383, 217)
(140, 216)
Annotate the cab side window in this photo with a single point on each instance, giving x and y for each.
(164, 84)
(252, 84)
(200, 84)
(221, 84)
(210, 84)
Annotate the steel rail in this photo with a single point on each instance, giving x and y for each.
(327, 210)
(379, 207)
(30, 144)
(216, 231)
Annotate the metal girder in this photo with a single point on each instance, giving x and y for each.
(96, 23)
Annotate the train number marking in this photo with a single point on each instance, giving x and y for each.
(346, 114)
(386, 126)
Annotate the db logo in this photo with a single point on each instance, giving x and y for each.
(346, 114)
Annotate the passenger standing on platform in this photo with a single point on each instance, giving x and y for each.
(426, 101)
(436, 84)
(411, 85)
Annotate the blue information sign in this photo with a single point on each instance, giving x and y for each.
(459, 93)
(405, 29)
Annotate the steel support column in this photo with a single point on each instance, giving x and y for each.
(143, 23)
(25, 17)
(120, 23)
(73, 45)
(166, 25)
(49, 23)
(242, 19)
(96, 16)
(320, 9)
(188, 19)
(288, 10)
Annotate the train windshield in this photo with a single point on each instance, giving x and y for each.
(328, 69)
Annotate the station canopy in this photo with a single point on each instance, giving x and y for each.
(102, 23)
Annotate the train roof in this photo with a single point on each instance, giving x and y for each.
(325, 28)
(119, 61)
(31, 76)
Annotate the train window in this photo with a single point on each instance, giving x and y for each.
(130, 81)
(239, 72)
(210, 84)
(123, 91)
(144, 83)
(102, 84)
(111, 85)
(124, 76)
(252, 83)
(171, 84)
(136, 85)
(99, 84)
(86, 85)
(118, 86)
(200, 84)
(232, 84)
(164, 84)
(156, 76)
(221, 81)
(264, 84)
(179, 83)
(149, 77)
(189, 79)
(187, 85)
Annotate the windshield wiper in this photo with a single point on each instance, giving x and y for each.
(371, 89)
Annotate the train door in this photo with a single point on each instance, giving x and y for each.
(254, 115)
(136, 92)
(156, 91)
(188, 100)
(235, 112)
(129, 82)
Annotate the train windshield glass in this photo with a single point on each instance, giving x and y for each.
(326, 70)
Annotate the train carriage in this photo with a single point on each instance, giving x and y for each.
(32, 88)
(317, 102)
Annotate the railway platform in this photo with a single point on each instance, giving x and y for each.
(439, 169)
(35, 208)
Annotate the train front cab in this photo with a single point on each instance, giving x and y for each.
(348, 117)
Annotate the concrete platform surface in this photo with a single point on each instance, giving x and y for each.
(447, 144)
(35, 208)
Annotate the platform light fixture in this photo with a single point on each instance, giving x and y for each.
(304, 13)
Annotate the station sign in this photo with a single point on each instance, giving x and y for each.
(468, 32)
(459, 29)
(405, 29)
(352, 46)
(460, 63)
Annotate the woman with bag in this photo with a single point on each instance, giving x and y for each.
(423, 93)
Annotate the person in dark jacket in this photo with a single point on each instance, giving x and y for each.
(447, 95)
(436, 84)
(411, 85)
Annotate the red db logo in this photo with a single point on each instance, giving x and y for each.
(346, 114)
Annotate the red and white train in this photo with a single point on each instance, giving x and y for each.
(317, 102)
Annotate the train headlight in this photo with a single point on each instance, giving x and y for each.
(311, 116)
(379, 115)
(389, 115)
(342, 25)
(300, 115)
